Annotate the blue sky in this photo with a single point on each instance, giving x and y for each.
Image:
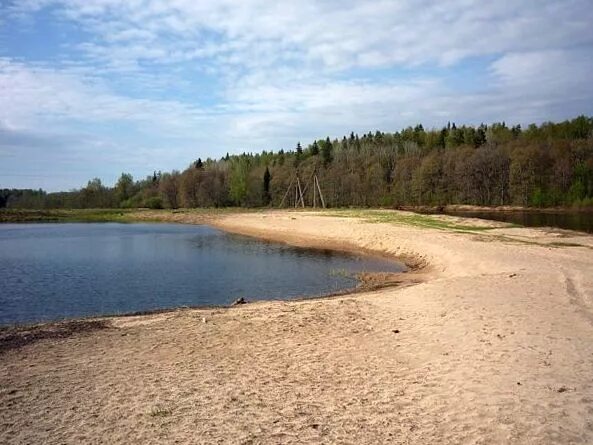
(93, 88)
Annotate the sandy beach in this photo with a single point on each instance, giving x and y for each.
(488, 340)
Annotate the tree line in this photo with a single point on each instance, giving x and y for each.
(542, 165)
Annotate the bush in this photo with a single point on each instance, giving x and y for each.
(585, 203)
(154, 202)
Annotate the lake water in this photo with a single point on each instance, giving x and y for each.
(572, 220)
(55, 271)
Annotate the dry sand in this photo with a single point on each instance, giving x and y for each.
(495, 345)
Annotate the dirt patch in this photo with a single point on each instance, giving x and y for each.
(17, 337)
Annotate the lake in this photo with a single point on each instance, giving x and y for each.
(55, 271)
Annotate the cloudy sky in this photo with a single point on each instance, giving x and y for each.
(91, 88)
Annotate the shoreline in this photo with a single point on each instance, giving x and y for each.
(494, 209)
(417, 270)
(370, 282)
(493, 346)
(365, 282)
(124, 214)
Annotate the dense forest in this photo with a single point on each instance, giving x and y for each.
(546, 165)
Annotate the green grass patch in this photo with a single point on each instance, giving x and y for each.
(414, 219)
(63, 215)
(107, 215)
(513, 240)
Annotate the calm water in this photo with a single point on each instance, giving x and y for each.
(581, 221)
(52, 271)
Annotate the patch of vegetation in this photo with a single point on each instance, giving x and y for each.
(63, 215)
(514, 240)
(109, 215)
(418, 220)
(193, 216)
(216, 210)
(563, 244)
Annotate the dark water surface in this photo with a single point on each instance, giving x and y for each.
(54, 271)
(578, 220)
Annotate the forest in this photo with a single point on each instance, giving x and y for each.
(488, 165)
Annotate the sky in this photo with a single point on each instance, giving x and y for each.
(94, 88)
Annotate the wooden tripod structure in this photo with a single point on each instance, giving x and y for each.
(300, 192)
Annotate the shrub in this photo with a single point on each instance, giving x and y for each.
(154, 202)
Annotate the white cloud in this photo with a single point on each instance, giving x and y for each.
(35, 93)
(335, 34)
(552, 69)
(291, 71)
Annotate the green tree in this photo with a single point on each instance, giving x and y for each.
(314, 149)
(326, 151)
(238, 179)
(266, 184)
(169, 189)
(124, 188)
(544, 165)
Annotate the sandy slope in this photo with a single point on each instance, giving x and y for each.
(495, 346)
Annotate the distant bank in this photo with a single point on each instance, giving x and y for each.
(579, 219)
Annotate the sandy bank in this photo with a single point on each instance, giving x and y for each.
(493, 347)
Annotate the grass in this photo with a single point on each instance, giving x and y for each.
(563, 244)
(513, 240)
(419, 220)
(429, 221)
(131, 215)
(103, 215)
(414, 219)
(64, 215)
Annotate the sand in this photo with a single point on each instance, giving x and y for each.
(492, 345)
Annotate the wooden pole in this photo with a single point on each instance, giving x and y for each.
(301, 192)
(314, 194)
(305, 188)
(320, 194)
(287, 191)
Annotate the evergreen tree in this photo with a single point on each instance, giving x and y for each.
(442, 137)
(326, 152)
(267, 179)
(357, 143)
(480, 136)
(314, 149)
(299, 155)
